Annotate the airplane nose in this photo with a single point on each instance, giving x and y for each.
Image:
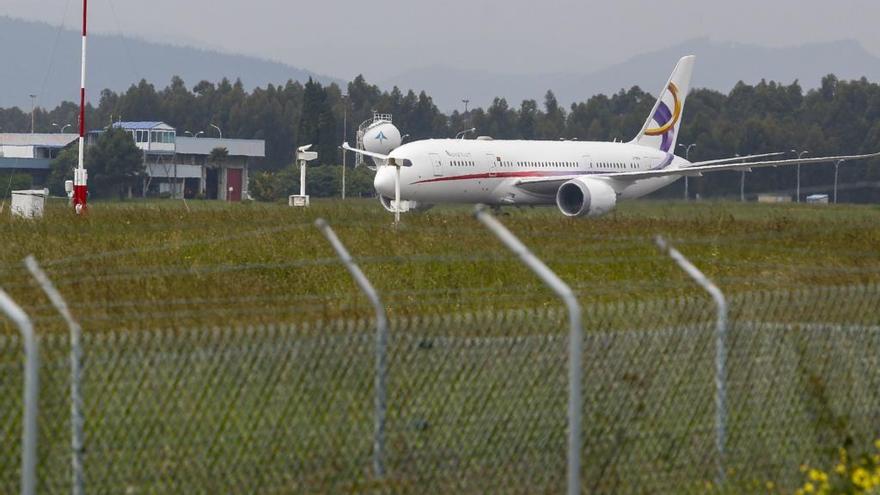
(384, 181)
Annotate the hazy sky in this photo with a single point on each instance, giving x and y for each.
(382, 38)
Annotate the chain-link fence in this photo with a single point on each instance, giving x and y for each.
(475, 402)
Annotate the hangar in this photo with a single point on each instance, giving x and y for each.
(32, 154)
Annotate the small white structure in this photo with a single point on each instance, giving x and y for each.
(297, 200)
(818, 199)
(29, 203)
(773, 198)
(303, 156)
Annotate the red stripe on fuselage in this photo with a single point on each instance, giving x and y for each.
(502, 175)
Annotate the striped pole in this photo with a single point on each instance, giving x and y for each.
(81, 176)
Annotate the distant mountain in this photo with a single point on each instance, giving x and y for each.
(28, 66)
(38, 58)
(720, 65)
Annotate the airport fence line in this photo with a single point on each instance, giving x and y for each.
(657, 396)
(475, 402)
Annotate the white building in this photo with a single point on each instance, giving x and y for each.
(228, 179)
(182, 167)
(32, 153)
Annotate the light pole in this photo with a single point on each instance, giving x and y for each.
(344, 137)
(60, 128)
(798, 189)
(218, 130)
(742, 184)
(33, 109)
(836, 166)
(687, 156)
(465, 101)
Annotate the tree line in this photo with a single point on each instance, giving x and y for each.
(838, 117)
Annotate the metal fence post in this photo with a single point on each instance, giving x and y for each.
(576, 336)
(720, 349)
(381, 343)
(76, 402)
(31, 392)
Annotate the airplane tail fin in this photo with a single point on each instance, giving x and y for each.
(661, 129)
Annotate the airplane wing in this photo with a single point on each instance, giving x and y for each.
(549, 185)
(737, 159)
(378, 156)
(699, 170)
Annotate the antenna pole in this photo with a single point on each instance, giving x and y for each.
(80, 176)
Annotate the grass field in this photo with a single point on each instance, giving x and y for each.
(161, 264)
(279, 397)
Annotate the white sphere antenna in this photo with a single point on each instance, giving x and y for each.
(382, 138)
(378, 135)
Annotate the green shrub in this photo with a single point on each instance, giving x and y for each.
(13, 181)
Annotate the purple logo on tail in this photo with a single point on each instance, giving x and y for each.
(666, 120)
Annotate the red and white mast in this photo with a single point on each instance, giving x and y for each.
(80, 176)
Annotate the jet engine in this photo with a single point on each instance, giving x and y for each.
(585, 197)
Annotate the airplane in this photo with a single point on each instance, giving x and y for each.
(581, 178)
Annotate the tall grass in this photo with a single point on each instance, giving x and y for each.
(166, 264)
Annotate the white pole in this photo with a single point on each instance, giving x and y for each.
(344, 138)
(33, 110)
(31, 392)
(397, 195)
(800, 155)
(575, 342)
(76, 401)
(381, 379)
(80, 177)
(302, 177)
(836, 166)
(720, 351)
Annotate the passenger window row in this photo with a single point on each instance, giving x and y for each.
(548, 164)
(617, 165)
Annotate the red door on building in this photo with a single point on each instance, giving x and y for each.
(233, 184)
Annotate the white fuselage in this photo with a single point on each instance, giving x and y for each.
(491, 171)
